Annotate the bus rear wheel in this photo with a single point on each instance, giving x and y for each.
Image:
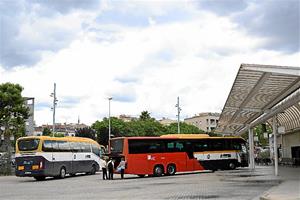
(39, 178)
(62, 173)
(171, 169)
(232, 165)
(158, 170)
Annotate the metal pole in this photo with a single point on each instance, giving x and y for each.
(54, 104)
(251, 148)
(275, 144)
(178, 115)
(109, 126)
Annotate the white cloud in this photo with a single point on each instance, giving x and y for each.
(147, 67)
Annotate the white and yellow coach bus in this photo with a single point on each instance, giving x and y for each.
(43, 156)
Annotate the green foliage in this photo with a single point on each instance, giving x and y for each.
(144, 126)
(145, 115)
(59, 134)
(85, 132)
(13, 111)
(259, 131)
(184, 128)
(13, 114)
(47, 132)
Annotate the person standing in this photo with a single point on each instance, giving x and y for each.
(122, 166)
(104, 168)
(110, 166)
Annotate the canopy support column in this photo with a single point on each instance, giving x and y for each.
(274, 124)
(251, 149)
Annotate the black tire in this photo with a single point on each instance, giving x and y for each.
(158, 170)
(141, 175)
(39, 178)
(231, 165)
(93, 171)
(62, 173)
(171, 169)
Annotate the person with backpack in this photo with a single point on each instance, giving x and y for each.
(121, 167)
(110, 166)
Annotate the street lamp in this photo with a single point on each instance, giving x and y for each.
(178, 115)
(109, 126)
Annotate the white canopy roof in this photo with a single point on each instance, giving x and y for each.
(259, 92)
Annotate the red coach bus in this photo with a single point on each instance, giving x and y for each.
(169, 154)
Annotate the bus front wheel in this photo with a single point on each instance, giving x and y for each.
(171, 169)
(158, 170)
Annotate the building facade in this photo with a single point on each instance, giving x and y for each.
(127, 118)
(166, 121)
(205, 121)
(29, 128)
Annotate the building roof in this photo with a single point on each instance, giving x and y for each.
(206, 114)
(260, 92)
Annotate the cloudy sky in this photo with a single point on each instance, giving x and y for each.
(142, 53)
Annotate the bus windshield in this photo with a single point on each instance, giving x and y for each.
(116, 146)
(28, 144)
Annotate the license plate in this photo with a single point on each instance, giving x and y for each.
(27, 172)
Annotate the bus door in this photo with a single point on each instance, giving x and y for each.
(76, 157)
(190, 159)
(48, 153)
(87, 160)
(64, 157)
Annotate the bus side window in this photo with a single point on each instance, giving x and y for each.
(175, 146)
(75, 147)
(236, 145)
(170, 146)
(47, 146)
(85, 147)
(155, 146)
(217, 144)
(63, 146)
(179, 146)
(55, 146)
(96, 150)
(201, 145)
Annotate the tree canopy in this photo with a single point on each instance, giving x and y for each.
(144, 126)
(13, 113)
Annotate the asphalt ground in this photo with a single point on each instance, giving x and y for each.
(231, 184)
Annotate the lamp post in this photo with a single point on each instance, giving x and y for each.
(109, 126)
(178, 115)
(53, 108)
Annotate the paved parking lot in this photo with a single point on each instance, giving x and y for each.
(236, 184)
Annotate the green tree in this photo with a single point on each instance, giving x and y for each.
(259, 131)
(145, 115)
(86, 132)
(118, 128)
(184, 128)
(13, 113)
(47, 131)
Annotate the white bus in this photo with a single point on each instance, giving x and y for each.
(43, 156)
